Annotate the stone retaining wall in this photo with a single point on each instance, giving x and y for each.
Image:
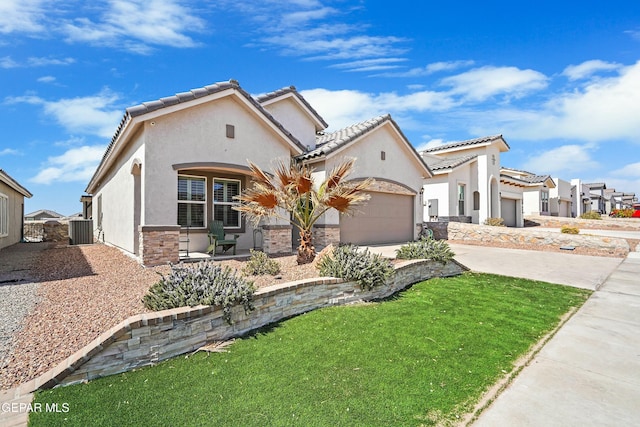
(149, 338)
(484, 233)
(604, 223)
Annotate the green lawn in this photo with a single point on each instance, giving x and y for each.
(422, 357)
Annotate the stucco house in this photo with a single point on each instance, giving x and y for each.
(580, 198)
(176, 163)
(560, 198)
(535, 193)
(43, 215)
(466, 182)
(12, 196)
(597, 195)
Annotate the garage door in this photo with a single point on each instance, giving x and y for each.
(386, 218)
(509, 212)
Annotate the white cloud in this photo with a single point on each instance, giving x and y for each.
(630, 171)
(482, 83)
(429, 69)
(562, 161)
(96, 115)
(8, 62)
(76, 164)
(433, 143)
(370, 64)
(588, 68)
(342, 108)
(21, 16)
(135, 25)
(607, 109)
(9, 151)
(46, 79)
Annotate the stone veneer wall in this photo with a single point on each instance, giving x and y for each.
(149, 338)
(276, 239)
(483, 233)
(325, 235)
(159, 244)
(604, 223)
(55, 231)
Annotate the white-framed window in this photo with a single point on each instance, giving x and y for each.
(192, 201)
(224, 191)
(4, 215)
(544, 199)
(461, 191)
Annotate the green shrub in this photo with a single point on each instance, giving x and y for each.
(569, 229)
(591, 215)
(435, 250)
(494, 222)
(350, 263)
(260, 264)
(203, 283)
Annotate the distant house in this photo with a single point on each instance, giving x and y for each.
(535, 193)
(43, 215)
(560, 198)
(466, 182)
(12, 196)
(177, 163)
(580, 198)
(597, 195)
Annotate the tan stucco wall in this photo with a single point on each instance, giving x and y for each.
(399, 165)
(14, 226)
(117, 191)
(289, 113)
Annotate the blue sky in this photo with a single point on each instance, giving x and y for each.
(559, 79)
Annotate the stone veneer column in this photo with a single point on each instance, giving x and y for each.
(159, 244)
(325, 235)
(276, 239)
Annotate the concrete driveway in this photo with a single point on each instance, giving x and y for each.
(580, 271)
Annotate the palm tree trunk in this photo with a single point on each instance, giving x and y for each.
(306, 251)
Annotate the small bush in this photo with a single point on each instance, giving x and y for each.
(260, 264)
(435, 250)
(350, 263)
(622, 213)
(591, 215)
(494, 222)
(568, 229)
(203, 283)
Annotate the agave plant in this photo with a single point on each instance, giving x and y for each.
(292, 189)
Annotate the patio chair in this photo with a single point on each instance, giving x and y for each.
(217, 237)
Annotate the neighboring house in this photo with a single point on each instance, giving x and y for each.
(12, 196)
(560, 198)
(597, 195)
(628, 200)
(535, 193)
(177, 163)
(43, 215)
(466, 182)
(613, 199)
(580, 198)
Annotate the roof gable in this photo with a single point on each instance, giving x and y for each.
(291, 93)
(4, 177)
(328, 144)
(137, 114)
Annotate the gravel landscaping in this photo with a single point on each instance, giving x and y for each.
(78, 293)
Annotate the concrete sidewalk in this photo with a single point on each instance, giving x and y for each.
(588, 374)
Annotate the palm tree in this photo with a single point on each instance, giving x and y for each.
(292, 189)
